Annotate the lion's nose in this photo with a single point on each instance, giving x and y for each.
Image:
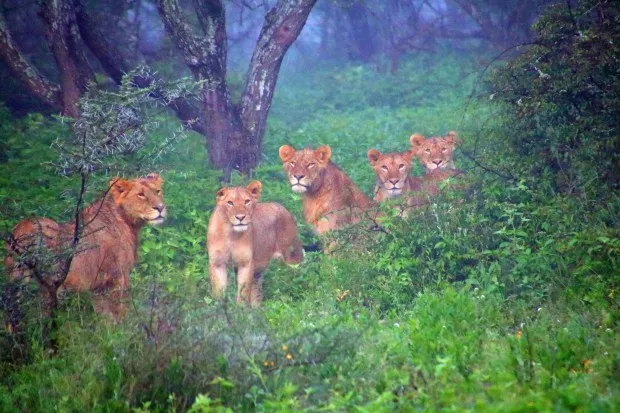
(299, 177)
(240, 218)
(393, 181)
(437, 162)
(159, 207)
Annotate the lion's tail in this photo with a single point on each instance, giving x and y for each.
(296, 253)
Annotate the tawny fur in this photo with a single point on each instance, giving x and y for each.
(107, 249)
(392, 171)
(248, 234)
(436, 156)
(330, 199)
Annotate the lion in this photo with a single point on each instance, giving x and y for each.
(250, 234)
(392, 172)
(330, 199)
(435, 155)
(106, 251)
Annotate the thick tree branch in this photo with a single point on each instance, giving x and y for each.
(282, 25)
(64, 39)
(194, 48)
(28, 75)
(116, 66)
(234, 133)
(111, 61)
(206, 58)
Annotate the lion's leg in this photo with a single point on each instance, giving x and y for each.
(245, 279)
(289, 245)
(112, 304)
(256, 294)
(219, 279)
(294, 252)
(325, 224)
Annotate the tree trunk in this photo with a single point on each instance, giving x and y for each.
(282, 25)
(63, 36)
(28, 75)
(362, 35)
(234, 132)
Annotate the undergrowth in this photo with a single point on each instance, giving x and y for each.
(499, 298)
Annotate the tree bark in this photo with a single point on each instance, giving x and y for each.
(64, 40)
(206, 58)
(234, 133)
(111, 61)
(39, 86)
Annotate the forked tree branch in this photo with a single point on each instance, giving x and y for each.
(116, 66)
(28, 75)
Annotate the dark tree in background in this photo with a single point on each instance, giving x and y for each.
(233, 130)
(504, 23)
(368, 31)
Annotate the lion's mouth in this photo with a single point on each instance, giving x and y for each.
(240, 227)
(155, 221)
(299, 187)
(393, 191)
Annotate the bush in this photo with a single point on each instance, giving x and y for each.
(563, 94)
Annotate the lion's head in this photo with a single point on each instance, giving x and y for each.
(392, 170)
(434, 153)
(305, 168)
(237, 204)
(141, 199)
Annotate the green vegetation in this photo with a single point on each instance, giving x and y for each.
(501, 298)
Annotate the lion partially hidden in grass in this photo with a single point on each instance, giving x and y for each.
(106, 251)
(330, 199)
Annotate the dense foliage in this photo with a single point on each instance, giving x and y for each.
(502, 297)
(564, 94)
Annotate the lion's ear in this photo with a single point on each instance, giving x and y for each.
(451, 138)
(323, 153)
(119, 188)
(286, 152)
(417, 140)
(255, 188)
(154, 179)
(408, 155)
(373, 156)
(220, 194)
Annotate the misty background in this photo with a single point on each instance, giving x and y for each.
(374, 33)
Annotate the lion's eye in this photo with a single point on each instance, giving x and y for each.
(384, 167)
(444, 149)
(311, 165)
(427, 150)
(141, 195)
(159, 192)
(247, 201)
(230, 203)
(292, 163)
(401, 166)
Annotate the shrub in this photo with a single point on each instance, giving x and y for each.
(563, 94)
